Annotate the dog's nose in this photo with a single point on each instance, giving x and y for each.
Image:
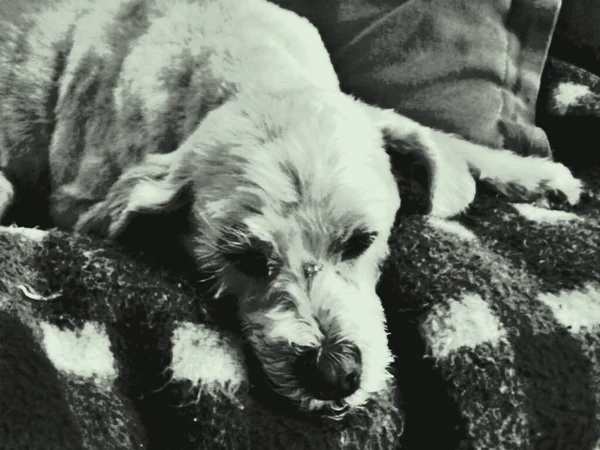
(331, 372)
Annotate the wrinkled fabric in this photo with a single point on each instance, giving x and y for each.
(466, 67)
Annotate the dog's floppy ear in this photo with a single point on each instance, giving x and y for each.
(449, 185)
(159, 186)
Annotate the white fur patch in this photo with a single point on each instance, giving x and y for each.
(543, 215)
(85, 353)
(567, 94)
(467, 322)
(204, 357)
(29, 233)
(578, 310)
(149, 194)
(451, 227)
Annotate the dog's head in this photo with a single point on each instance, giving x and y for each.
(291, 200)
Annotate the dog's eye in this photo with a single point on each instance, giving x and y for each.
(251, 262)
(358, 243)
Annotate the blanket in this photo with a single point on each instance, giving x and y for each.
(494, 321)
(100, 351)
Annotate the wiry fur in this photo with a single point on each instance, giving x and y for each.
(230, 107)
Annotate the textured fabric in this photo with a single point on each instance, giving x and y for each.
(577, 35)
(469, 67)
(104, 352)
(570, 102)
(580, 19)
(494, 321)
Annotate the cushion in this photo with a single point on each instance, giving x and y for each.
(466, 67)
(577, 35)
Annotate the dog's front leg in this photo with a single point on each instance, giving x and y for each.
(520, 178)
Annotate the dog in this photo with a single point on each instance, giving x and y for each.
(115, 110)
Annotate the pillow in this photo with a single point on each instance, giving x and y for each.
(466, 67)
(580, 18)
(577, 36)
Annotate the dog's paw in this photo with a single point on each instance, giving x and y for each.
(559, 189)
(543, 182)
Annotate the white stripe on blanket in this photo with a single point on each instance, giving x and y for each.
(542, 215)
(29, 233)
(569, 94)
(207, 359)
(577, 310)
(467, 322)
(452, 227)
(85, 353)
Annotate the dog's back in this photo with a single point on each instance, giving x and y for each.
(88, 88)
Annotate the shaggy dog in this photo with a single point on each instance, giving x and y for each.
(116, 109)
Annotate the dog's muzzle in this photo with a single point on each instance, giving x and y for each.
(330, 372)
